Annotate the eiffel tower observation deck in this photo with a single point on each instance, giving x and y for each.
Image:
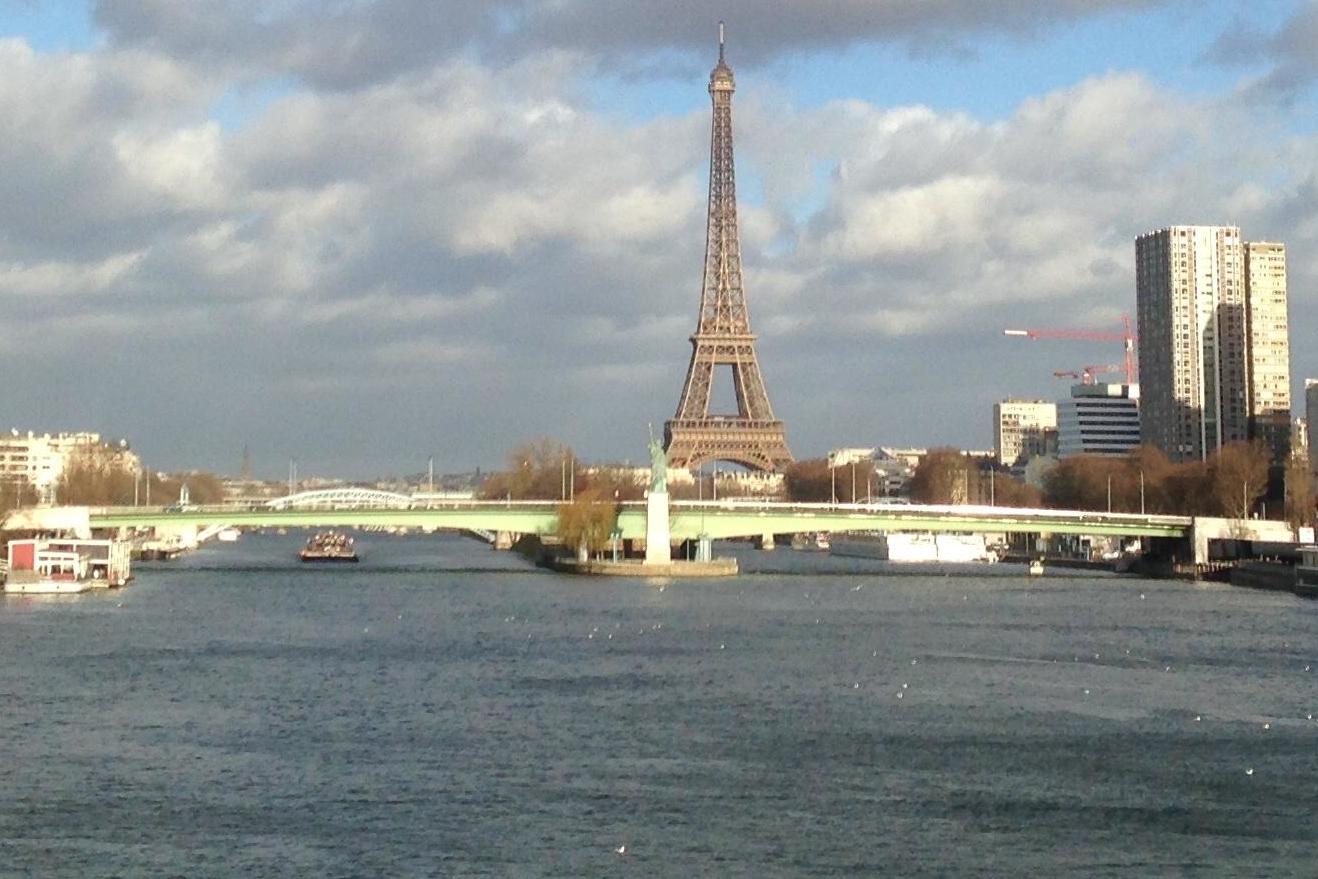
(751, 437)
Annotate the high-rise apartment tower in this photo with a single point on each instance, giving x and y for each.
(1214, 360)
(1269, 347)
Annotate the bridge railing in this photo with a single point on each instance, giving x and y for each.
(975, 511)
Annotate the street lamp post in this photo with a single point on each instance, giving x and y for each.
(1141, 492)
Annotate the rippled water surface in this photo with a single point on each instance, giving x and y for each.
(441, 709)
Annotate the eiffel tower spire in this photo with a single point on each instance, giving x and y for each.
(723, 337)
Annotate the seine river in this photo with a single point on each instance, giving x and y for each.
(445, 710)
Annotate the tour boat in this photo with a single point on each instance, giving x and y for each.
(329, 546)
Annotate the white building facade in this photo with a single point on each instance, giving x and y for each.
(1023, 429)
(39, 460)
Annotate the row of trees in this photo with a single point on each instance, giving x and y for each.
(104, 476)
(947, 476)
(1230, 483)
(814, 480)
(546, 469)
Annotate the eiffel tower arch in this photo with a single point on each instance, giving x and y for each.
(723, 337)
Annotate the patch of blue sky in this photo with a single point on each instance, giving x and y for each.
(243, 102)
(995, 74)
(49, 25)
(987, 77)
(660, 89)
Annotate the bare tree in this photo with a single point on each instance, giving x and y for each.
(588, 521)
(1238, 476)
(1299, 492)
(943, 477)
(97, 475)
(537, 470)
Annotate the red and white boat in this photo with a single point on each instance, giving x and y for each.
(59, 566)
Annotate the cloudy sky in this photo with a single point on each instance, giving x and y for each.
(364, 232)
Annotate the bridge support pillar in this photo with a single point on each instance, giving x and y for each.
(503, 540)
(766, 542)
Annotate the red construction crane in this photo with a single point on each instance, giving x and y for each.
(1126, 337)
(1087, 373)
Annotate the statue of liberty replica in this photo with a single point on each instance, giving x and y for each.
(657, 548)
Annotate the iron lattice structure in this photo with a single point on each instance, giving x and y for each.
(723, 337)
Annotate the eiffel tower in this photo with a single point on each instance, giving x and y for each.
(723, 337)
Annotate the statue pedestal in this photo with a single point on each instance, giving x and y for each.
(657, 548)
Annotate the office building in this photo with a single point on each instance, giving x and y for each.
(1098, 419)
(1023, 429)
(1214, 355)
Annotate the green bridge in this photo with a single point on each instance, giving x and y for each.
(688, 519)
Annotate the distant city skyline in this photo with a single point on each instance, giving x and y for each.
(370, 235)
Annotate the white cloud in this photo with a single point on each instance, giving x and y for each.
(471, 231)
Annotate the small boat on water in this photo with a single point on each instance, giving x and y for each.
(228, 535)
(329, 546)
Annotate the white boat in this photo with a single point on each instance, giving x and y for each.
(55, 573)
(1036, 568)
(228, 535)
(913, 547)
(58, 566)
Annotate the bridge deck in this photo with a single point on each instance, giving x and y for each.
(688, 519)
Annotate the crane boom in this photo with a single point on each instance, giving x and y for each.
(1126, 337)
(1087, 374)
